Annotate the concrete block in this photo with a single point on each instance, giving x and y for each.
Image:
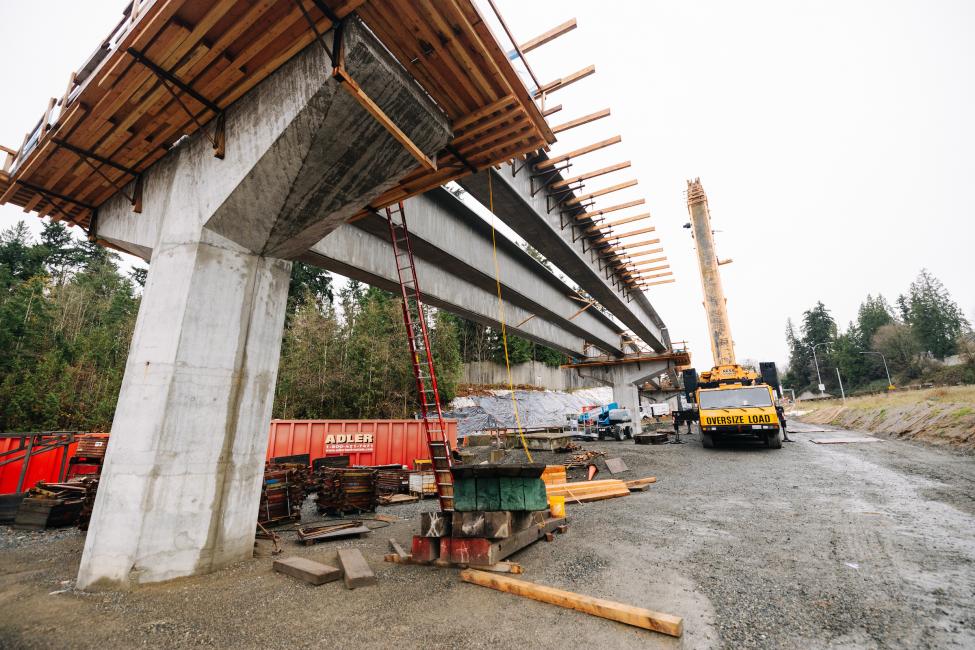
(312, 572)
(356, 569)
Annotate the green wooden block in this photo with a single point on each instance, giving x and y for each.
(465, 494)
(512, 493)
(535, 496)
(488, 493)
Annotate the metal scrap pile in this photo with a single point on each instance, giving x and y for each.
(282, 494)
(48, 505)
(343, 491)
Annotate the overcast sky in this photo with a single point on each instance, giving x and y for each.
(835, 139)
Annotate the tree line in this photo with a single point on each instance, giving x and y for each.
(67, 314)
(913, 335)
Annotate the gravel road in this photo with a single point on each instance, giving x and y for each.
(861, 545)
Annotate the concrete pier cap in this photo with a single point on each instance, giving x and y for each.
(182, 476)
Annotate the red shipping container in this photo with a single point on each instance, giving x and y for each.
(43, 466)
(365, 442)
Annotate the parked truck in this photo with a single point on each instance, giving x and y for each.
(610, 421)
(732, 400)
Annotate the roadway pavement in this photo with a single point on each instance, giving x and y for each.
(853, 545)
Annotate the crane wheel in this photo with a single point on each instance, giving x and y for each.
(774, 440)
(707, 440)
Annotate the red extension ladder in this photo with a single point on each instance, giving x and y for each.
(414, 316)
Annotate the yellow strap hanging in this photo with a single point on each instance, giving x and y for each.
(504, 329)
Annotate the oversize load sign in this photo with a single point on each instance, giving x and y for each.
(737, 419)
(341, 443)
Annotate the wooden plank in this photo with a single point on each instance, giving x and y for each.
(373, 109)
(356, 570)
(592, 174)
(612, 208)
(620, 222)
(640, 482)
(652, 251)
(602, 144)
(628, 614)
(585, 119)
(435, 524)
(623, 247)
(651, 284)
(563, 82)
(553, 109)
(603, 191)
(623, 235)
(548, 36)
(312, 572)
(398, 549)
(494, 525)
(653, 260)
(637, 272)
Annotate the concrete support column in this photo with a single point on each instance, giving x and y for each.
(624, 379)
(181, 483)
(627, 395)
(190, 429)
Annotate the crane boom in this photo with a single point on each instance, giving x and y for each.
(722, 345)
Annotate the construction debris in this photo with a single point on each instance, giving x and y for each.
(636, 616)
(48, 505)
(583, 459)
(312, 533)
(396, 499)
(616, 465)
(640, 484)
(312, 572)
(392, 480)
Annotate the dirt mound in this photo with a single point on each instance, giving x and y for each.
(944, 417)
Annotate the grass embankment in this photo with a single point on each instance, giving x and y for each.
(939, 416)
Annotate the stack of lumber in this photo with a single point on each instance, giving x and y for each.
(282, 494)
(585, 491)
(345, 490)
(48, 505)
(392, 481)
(553, 475)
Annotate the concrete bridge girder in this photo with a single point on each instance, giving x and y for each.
(181, 479)
(365, 257)
(528, 216)
(449, 235)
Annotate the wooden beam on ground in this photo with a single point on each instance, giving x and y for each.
(612, 208)
(636, 616)
(602, 144)
(592, 174)
(605, 190)
(579, 121)
(356, 571)
(548, 36)
(563, 82)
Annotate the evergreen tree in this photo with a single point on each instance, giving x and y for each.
(935, 319)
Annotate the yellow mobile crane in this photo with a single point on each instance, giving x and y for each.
(732, 400)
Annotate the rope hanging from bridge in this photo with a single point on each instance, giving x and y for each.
(504, 329)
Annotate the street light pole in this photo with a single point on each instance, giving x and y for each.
(816, 359)
(890, 384)
(840, 379)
